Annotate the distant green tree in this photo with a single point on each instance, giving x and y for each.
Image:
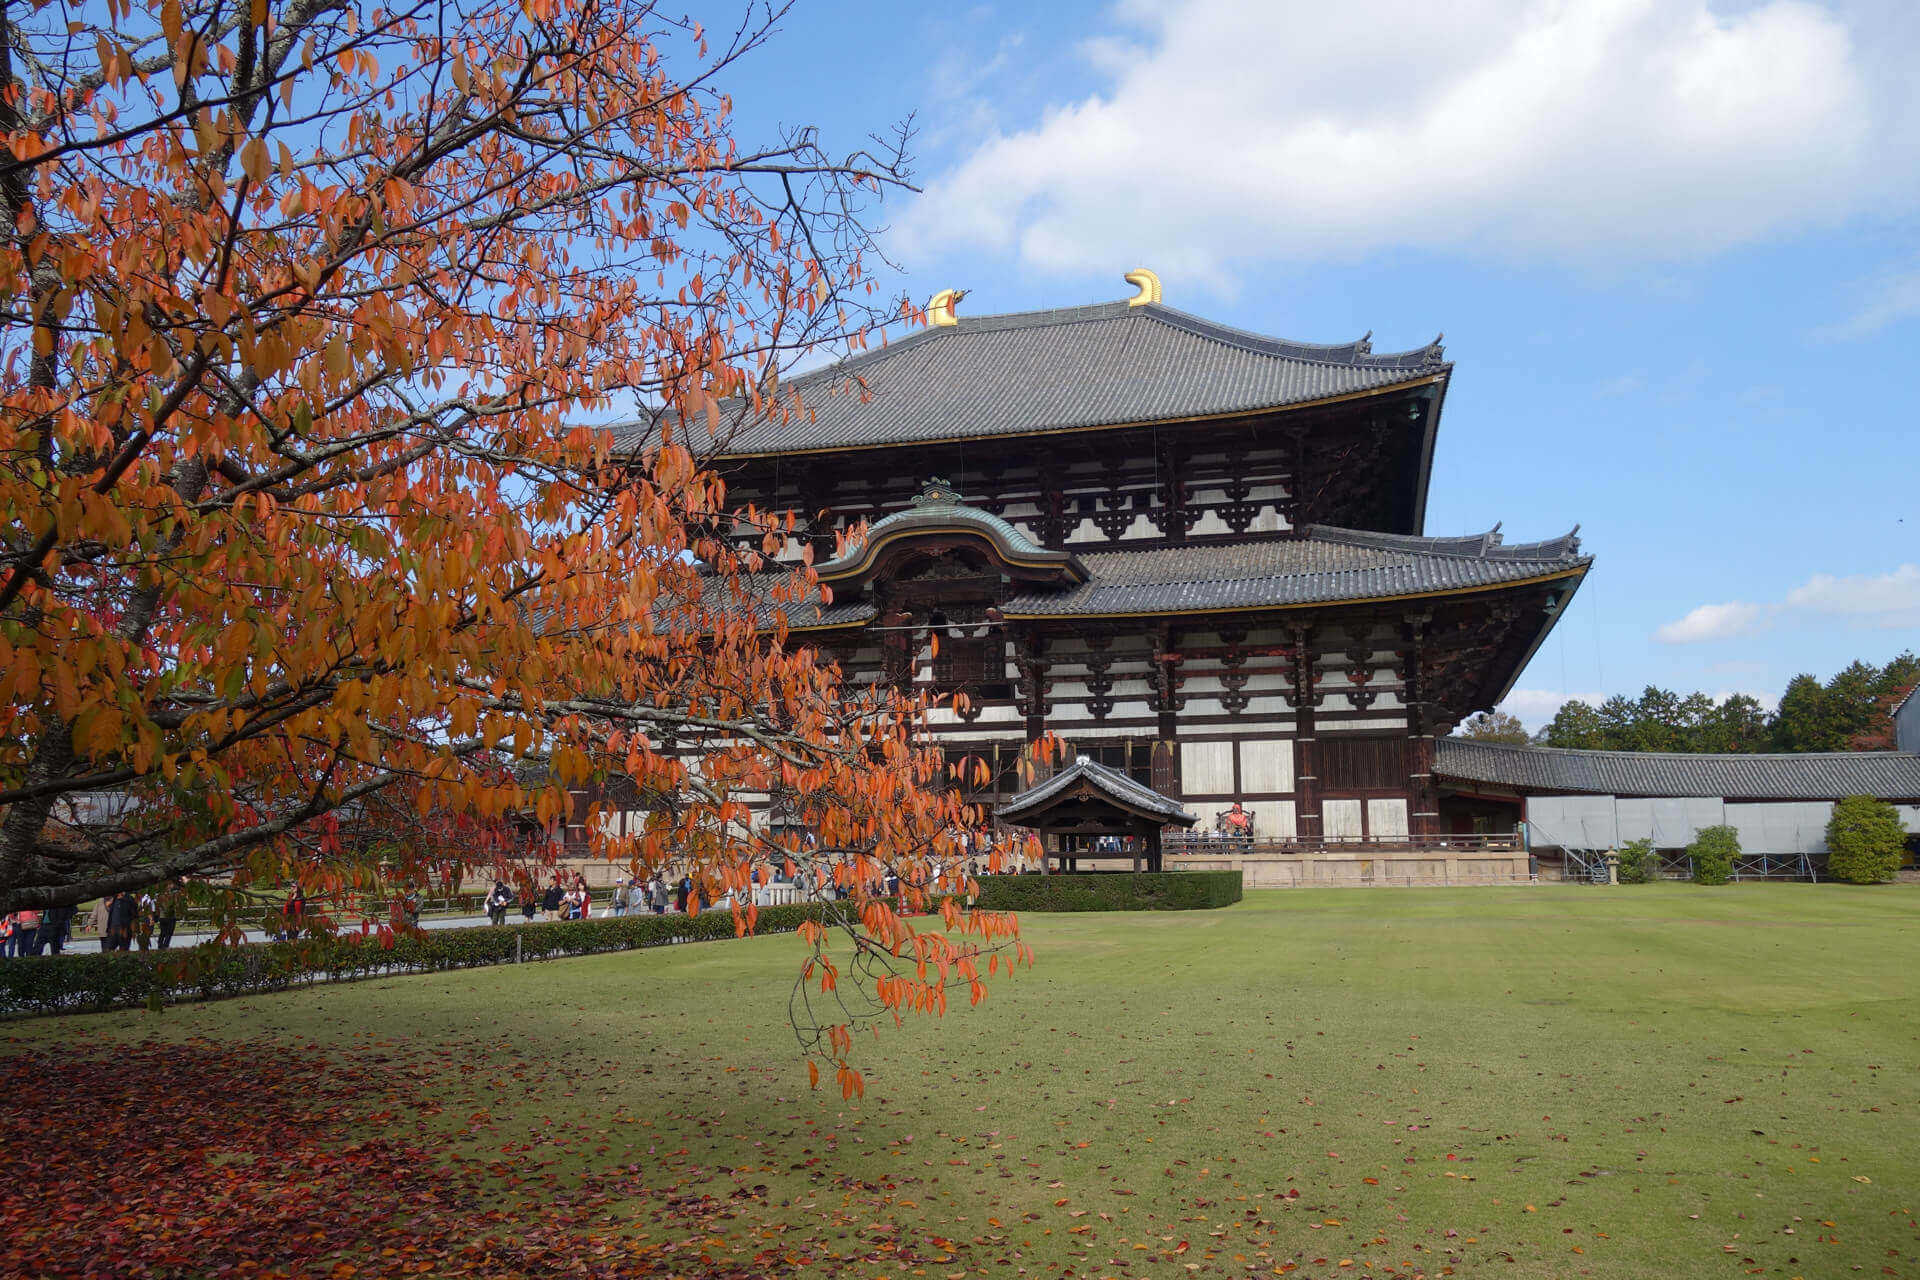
(1801, 722)
(1660, 721)
(1576, 725)
(1852, 703)
(1697, 714)
(1638, 861)
(1495, 726)
(1618, 716)
(1850, 712)
(1713, 851)
(1865, 841)
(1738, 724)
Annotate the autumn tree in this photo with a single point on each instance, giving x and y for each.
(1852, 711)
(309, 307)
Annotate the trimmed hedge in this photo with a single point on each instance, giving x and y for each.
(1111, 891)
(89, 982)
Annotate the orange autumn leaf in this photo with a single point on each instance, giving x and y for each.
(324, 573)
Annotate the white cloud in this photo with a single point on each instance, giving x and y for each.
(1711, 622)
(1873, 600)
(1893, 297)
(1536, 707)
(1245, 130)
(1888, 599)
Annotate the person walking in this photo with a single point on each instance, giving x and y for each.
(529, 903)
(497, 902)
(551, 900)
(55, 924)
(619, 897)
(293, 914)
(169, 910)
(26, 933)
(682, 892)
(123, 911)
(97, 921)
(657, 892)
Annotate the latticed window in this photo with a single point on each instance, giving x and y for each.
(1133, 757)
(968, 663)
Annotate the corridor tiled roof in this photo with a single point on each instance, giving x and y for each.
(1889, 775)
(1038, 371)
(1328, 565)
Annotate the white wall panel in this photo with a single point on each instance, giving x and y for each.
(1272, 820)
(1387, 818)
(1206, 769)
(1340, 819)
(1266, 764)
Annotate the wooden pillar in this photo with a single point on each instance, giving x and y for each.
(1423, 809)
(1306, 782)
(1153, 849)
(1030, 657)
(1139, 838)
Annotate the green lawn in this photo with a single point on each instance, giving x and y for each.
(1546, 1081)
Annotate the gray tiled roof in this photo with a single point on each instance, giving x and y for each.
(1112, 782)
(1890, 775)
(1036, 371)
(1329, 565)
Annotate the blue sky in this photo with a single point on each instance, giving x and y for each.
(1674, 246)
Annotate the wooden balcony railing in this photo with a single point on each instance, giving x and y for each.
(1193, 844)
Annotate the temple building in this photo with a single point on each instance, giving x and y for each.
(1197, 554)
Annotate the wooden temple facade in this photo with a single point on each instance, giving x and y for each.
(1196, 554)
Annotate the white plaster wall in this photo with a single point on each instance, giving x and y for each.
(1086, 531)
(1206, 768)
(1210, 522)
(1340, 819)
(1336, 727)
(990, 715)
(1272, 819)
(1266, 764)
(1263, 715)
(1387, 818)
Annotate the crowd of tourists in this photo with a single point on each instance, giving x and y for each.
(120, 920)
(125, 920)
(565, 899)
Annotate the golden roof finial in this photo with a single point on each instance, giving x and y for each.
(1148, 284)
(940, 307)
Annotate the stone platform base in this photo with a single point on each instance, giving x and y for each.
(1415, 867)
